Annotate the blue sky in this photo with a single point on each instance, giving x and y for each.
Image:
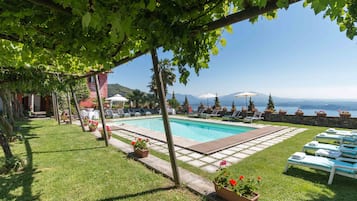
(297, 55)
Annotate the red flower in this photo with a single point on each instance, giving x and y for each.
(133, 143)
(223, 163)
(233, 182)
(259, 178)
(108, 128)
(241, 177)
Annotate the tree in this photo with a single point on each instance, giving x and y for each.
(167, 74)
(173, 102)
(217, 104)
(151, 100)
(251, 106)
(270, 105)
(186, 105)
(137, 97)
(233, 109)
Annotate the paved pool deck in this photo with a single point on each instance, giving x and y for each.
(206, 162)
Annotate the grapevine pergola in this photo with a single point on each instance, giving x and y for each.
(45, 41)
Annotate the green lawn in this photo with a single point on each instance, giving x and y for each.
(66, 164)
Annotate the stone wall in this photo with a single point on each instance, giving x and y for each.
(340, 122)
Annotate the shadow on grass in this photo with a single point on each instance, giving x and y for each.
(138, 194)
(342, 188)
(25, 179)
(69, 150)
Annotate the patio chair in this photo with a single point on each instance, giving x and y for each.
(313, 146)
(330, 150)
(111, 114)
(198, 114)
(333, 166)
(339, 132)
(336, 138)
(256, 116)
(235, 115)
(215, 113)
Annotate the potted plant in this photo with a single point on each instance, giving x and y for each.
(140, 147)
(93, 125)
(282, 112)
(109, 132)
(299, 112)
(344, 114)
(268, 111)
(85, 121)
(321, 113)
(231, 189)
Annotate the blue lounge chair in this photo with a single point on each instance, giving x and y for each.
(313, 146)
(333, 166)
(339, 132)
(345, 150)
(111, 114)
(336, 138)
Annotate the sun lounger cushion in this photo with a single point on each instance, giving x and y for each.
(331, 131)
(328, 153)
(298, 155)
(313, 143)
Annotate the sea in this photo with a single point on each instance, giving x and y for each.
(309, 111)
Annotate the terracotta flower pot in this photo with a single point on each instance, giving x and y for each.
(141, 153)
(282, 112)
(299, 114)
(92, 129)
(233, 196)
(321, 114)
(345, 115)
(109, 134)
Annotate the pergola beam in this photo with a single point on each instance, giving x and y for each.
(240, 16)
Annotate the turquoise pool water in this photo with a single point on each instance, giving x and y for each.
(194, 130)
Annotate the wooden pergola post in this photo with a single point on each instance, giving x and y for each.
(57, 110)
(101, 109)
(77, 108)
(54, 106)
(69, 108)
(165, 117)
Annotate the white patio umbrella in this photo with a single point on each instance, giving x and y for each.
(245, 94)
(116, 98)
(207, 96)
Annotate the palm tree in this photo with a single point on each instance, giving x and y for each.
(137, 97)
(167, 74)
(151, 100)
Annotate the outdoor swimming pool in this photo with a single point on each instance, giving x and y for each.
(194, 130)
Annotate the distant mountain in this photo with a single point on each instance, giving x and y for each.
(118, 89)
(259, 100)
